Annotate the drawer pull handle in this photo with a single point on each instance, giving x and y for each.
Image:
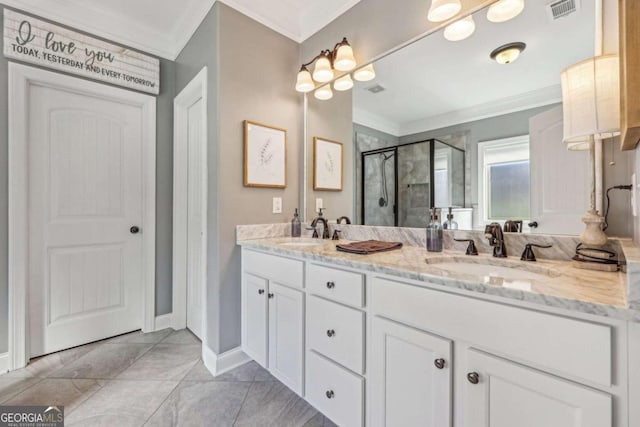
(270, 296)
(439, 363)
(331, 333)
(331, 285)
(330, 394)
(261, 292)
(473, 377)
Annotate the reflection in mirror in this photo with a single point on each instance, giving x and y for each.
(398, 184)
(502, 120)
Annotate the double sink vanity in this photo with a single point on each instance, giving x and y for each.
(414, 338)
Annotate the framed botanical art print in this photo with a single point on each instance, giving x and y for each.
(265, 155)
(327, 165)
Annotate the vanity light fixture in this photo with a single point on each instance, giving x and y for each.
(591, 111)
(507, 53)
(460, 30)
(441, 10)
(505, 10)
(323, 93)
(343, 83)
(365, 74)
(340, 58)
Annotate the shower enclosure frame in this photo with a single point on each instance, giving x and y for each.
(394, 149)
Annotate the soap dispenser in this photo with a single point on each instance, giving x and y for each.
(296, 227)
(434, 233)
(450, 224)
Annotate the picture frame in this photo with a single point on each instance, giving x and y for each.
(265, 155)
(327, 164)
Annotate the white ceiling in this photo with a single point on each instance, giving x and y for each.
(436, 83)
(163, 27)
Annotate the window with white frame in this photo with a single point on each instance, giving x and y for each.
(504, 189)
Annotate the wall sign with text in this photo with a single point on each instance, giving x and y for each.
(39, 42)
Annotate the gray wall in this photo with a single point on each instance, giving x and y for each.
(164, 188)
(252, 70)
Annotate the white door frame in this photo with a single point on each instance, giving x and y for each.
(21, 77)
(196, 90)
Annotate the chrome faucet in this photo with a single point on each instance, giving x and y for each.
(493, 232)
(320, 218)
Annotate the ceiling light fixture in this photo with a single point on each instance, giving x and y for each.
(365, 74)
(505, 10)
(460, 30)
(508, 53)
(441, 10)
(326, 63)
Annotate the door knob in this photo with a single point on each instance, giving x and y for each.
(270, 295)
(330, 394)
(473, 377)
(331, 285)
(533, 224)
(331, 333)
(135, 229)
(439, 363)
(260, 291)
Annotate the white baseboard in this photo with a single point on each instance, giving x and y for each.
(4, 363)
(220, 363)
(163, 322)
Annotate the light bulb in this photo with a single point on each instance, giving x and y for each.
(323, 93)
(441, 10)
(322, 72)
(365, 74)
(343, 83)
(304, 83)
(344, 59)
(505, 10)
(460, 29)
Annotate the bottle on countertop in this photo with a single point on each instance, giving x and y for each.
(434, 233)
(450, 224)
(296, 227)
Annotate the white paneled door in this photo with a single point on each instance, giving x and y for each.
(85, 195)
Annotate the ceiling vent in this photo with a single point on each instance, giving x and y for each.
(557, 9)
(376, 89)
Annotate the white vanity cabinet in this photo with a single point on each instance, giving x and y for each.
(380, 350)
(273, 315)
(506, 394)
(410, 378)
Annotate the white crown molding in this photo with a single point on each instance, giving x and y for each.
(292, 34)
(117, 28)
(374, 121)
(319, 16)
(525, 101)
(188, 25)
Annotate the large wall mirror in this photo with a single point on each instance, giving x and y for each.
(444, 124)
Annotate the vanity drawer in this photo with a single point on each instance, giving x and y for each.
(285, 271)
(339, 285)
(334, 391)
(567, 347)
(337, 332)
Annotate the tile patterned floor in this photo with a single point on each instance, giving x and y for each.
(155, 379)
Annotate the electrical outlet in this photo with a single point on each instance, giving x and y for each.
(319, 205)
(277, 205)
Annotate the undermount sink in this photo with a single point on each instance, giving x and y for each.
(303, 242)
(493, 268)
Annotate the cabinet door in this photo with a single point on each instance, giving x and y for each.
(508, 394)
(286, 327)
(254, 318)
(410, 377)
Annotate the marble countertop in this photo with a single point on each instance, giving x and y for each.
(550, 283)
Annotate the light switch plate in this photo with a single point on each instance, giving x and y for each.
(277, 205)
(319, 205)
